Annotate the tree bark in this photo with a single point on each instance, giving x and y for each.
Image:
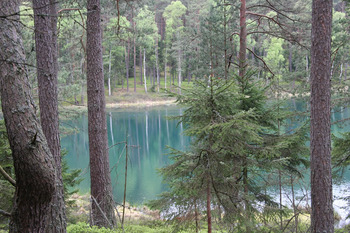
(242, 40)
(322, 218)
(45, 24)
(209, 203)
(34, 164)
(101, 189)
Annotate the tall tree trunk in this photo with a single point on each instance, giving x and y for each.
(179, 70)
(82, 72)
(134, 64)
(134, 43)
(35, 167)
(242, 73)
(45, 24)
(322, 218)
(127, 59)
(144, 69)
(157, 63)
(209, 203)
(165, 65)
(140, 65)
(101, 189)
(242, 40)
(109, 72)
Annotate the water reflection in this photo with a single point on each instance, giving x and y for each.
(148, 132)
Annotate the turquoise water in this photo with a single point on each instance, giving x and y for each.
(148, 132)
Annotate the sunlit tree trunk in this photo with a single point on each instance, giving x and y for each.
(102, 212)
(322, 218)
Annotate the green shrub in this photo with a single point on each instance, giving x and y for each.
(82, 227)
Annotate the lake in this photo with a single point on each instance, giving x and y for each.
(149, 132)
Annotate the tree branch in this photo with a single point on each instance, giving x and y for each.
(4, 213)
(7, 176)
(262, 60)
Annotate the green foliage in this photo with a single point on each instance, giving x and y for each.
(148, 227)
(146, 28)
(172, 15)
(85, 228)
(71, 179)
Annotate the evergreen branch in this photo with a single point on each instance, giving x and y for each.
(83, 25)
(7, 176)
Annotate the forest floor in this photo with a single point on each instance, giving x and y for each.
(123, 99)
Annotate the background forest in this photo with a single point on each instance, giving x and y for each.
(236, 67)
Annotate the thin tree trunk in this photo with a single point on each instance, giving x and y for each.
(242, 40)
(209, 203)
(45, 24)
(109, 72)
(165, 65)
(127, 59)
(144, 69)
(82, 72)
(35, 167)
(322, 218)
(225, 41)
(134, 25)
(154, 75)
(157, 64)
(295, 210)
(102, 212)
(134, 64)
(179, 70)
(140, 66)
(126, 176)
(196, 216)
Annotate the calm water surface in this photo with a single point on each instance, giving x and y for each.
(149, 132)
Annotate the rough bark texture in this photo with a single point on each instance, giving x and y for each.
(101, 189)
(33, 162)
(45, 23)
(322, 219)
(242, 40)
